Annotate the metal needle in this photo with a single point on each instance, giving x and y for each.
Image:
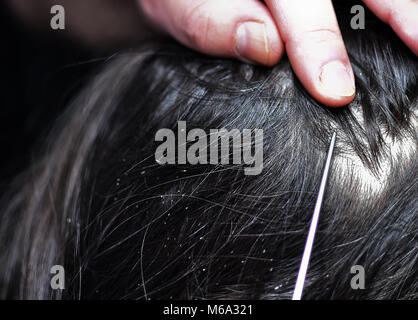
(297, 293)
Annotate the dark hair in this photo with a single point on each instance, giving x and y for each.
(126, 227)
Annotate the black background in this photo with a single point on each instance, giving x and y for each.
(40, 73)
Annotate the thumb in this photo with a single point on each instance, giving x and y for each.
(242, 29)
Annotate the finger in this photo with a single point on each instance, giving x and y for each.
(401, 15)
(243, 29)
(315, 48)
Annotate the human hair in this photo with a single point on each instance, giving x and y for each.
(126, 227)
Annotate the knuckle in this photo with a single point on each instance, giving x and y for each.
(149, 9)
(322, 35)
(196, 25)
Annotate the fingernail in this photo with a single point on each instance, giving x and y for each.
(252, 42)
(337, 80)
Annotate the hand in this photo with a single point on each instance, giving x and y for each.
(306, 29)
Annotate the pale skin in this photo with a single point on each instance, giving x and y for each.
(244, 29)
